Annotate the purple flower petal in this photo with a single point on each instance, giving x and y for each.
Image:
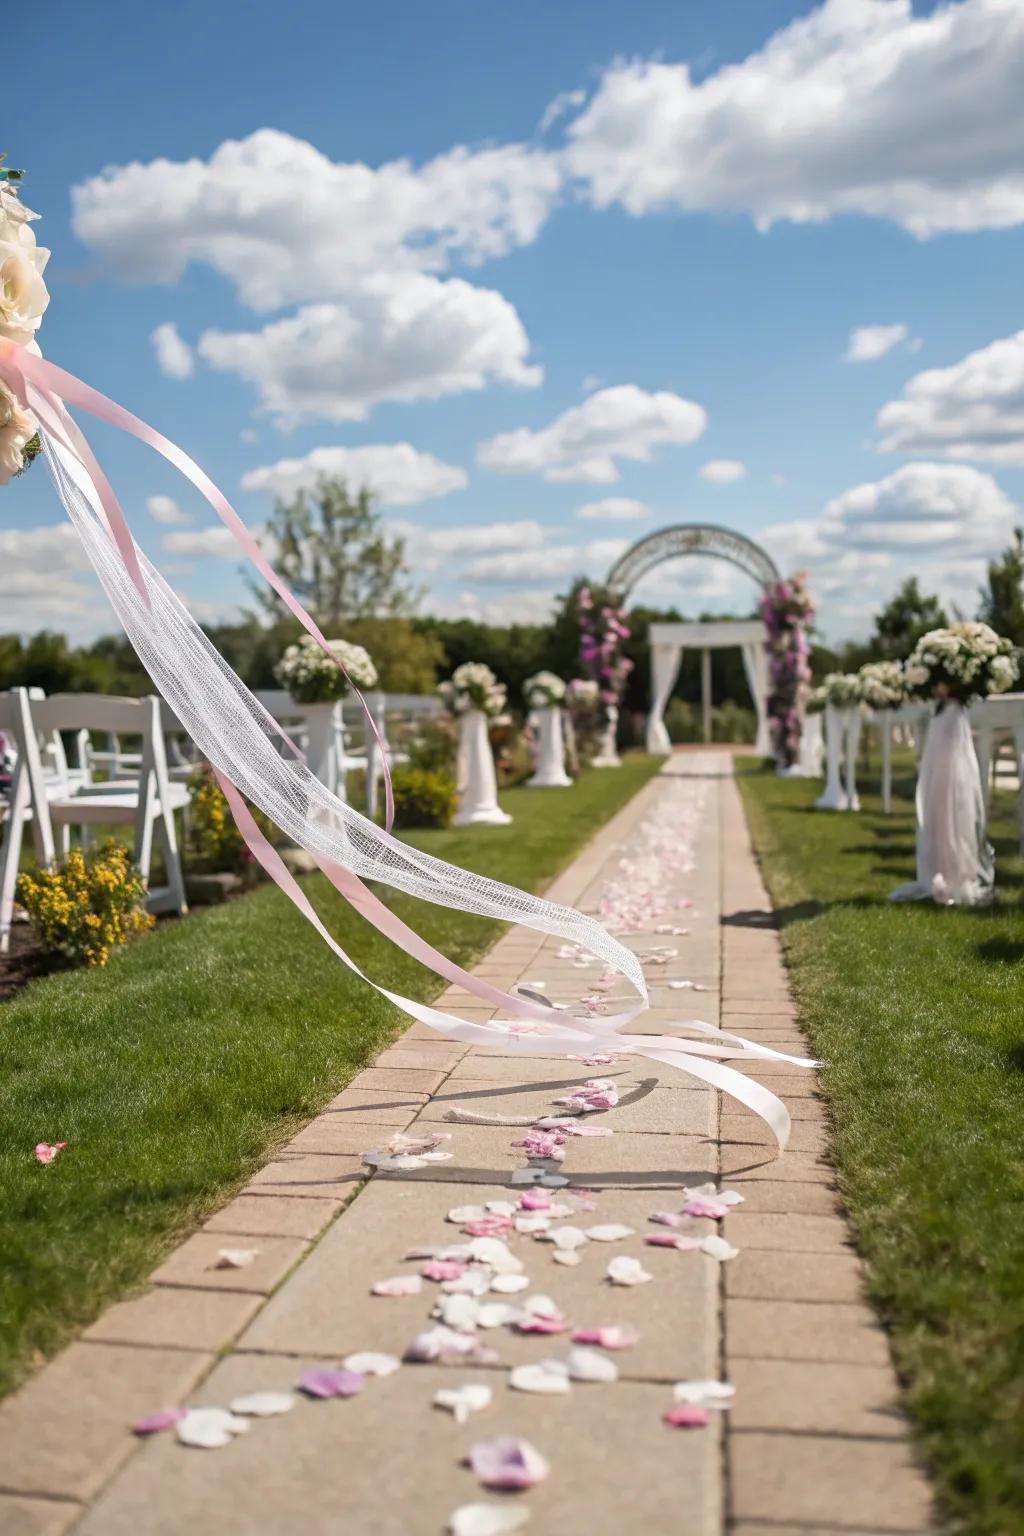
(328, 1383)
(158, 1421)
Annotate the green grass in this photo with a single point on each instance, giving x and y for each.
(173, 1073)
(919, 1014)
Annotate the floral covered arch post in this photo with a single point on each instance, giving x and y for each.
(787, 610)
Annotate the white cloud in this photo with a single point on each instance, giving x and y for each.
(287, 225)
(565, 101)
(474, 538)
(216, 543)
(523, 607)
(46, 582)
(164, 509)
(173, 354)
(583, 443)
(398, 474)
(859, 107)
(547, 563)
(722, 471)
(869, 342)
(408, 337)
(614, 509)
(972, 410)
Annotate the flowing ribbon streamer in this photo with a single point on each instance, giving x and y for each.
(236, 739)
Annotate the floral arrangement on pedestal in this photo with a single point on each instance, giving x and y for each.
(311, 677)
(883, 685)
(545, 690)
(786, 610)
(815, 702)
(602, 633)
(964, 662)
(23, 298)
(474, 686)
(843, 690)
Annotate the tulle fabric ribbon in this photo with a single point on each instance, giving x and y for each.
(236, 735)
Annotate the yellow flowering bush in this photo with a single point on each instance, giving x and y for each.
(88, 905)
(214, 840)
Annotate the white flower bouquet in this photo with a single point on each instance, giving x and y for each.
(474, 686)
(843, 690)
(311, 677)
(816, 700)
(23, 298)
(544, 690)
(964, 662)
(882, 684)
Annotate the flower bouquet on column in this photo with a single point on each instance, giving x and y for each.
(884, 689)
(545, 694)
(475, 697)
(602, 633)
(954, 667)
(843, 698)
(318, 684)
(786, 611)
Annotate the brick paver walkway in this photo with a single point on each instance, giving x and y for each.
(815, 1443)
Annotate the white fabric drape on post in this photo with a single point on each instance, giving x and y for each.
(755, 665)
(955, 862)
(833, 797)
(665, 663)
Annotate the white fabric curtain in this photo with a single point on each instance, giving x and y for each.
(955, 862)
(665, 663)
(755, 665)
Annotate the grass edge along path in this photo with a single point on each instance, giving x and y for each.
(174, 1073)
(917, 1014)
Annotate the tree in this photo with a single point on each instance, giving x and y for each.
(1002, 601)
(334, 553)
(907, 616)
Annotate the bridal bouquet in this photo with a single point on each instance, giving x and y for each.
(843, 690)
(474, 686)
(882, 684)
(23, 298)
(311, 677)
(544, 691)
(964, 662)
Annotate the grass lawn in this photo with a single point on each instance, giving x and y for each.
(173, 1073)
(919, 1014)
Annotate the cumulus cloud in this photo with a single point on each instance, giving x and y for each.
(859, 107)
(550, 562)
(614, 509)
(46, 581)
(407, 337)
(285, 224)
(972, 410)
(722, 471)
(583, 443)
(216, 543)
(523, 607)
(869, 342)
(164, 509)
(398, 474)
(173, 354)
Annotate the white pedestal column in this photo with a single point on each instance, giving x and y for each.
(834, 796)
(607, 754)
(477, 782)
(851, 739)
(550, 770)
(323, 752)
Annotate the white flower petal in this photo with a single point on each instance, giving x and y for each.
(207, 1429)
(370, 1364)
(487, 1519)
(540, 1378)
(611, 1233)
(472, 1397)
(589, 1365)
(623, 1270)
(263, 1405)
(507, 1285)
(718, 1248)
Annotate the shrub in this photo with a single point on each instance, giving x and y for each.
(430, 744)
(214, 841)
(422, 798)
(89, 905)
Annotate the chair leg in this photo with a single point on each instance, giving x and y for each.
(172, 860)
(10, 855)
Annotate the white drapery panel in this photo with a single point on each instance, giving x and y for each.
(665, 663)
(755, 665)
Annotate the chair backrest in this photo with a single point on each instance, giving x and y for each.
(93, 712)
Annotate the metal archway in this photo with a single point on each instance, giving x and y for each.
(691, 539)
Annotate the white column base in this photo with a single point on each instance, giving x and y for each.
(550, 771)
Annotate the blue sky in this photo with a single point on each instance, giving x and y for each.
(680, 260)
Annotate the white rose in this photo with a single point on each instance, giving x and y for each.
(16, 428)
(23, 295)
(14, 218)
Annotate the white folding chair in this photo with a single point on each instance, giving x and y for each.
(16, 805)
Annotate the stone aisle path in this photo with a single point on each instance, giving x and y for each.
(815, 1443)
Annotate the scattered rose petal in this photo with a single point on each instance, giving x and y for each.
(566, 1237)
(327, 1383)
(507, 1285)
(235, 1258)
(612, 1337)
(458, 1312)
(507, 1462)
(668, 1219)
(474, 1282)
(588, 1365)
(612, 1232)
(368, 1363)
(681, 1241)
(711, 1210)
(45, 1151)
(623, 1270)
(439, 1343)
(489, 1226)
(686, 1416)
(460, 1214)
(398, 1285)
(207, 1429)
(535, 1200)
(501, 1207)
(487, 1520)
(704, 1394)
(444, 1269)
(473, 1397)
(709, 1192)
(547, 1378)
(155, 1422)
(717, 1248)
(537, 1222)
(568, 1256)
(496, 1314)
(599, 1059)
(495, 1253)
(263, 1405)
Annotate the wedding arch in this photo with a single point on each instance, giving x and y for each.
(668, 641)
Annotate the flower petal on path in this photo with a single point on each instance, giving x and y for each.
(234, 1258)
(719, 1249)
(612, 1337)
(613, 1232)
(487, 1519)
(686, 1416)
(624, 1270)
(704, 1394)
(263, 1405)
(207, 1429)
(588, 1365)
(547, 1378)
(155, 1422)
(679, 1240)
(331, 1383)
(472, 1397)
(398, 1285)
(507, 1462)
(369, 1363)
(507, 1285)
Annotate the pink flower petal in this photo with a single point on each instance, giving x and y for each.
(536, 1322)
(397, 1285)
(489, 1226)
(507, 1463)
(444, 1269)
(612, 1337)
(535, 1200)
(155, 1422)
(328, 1383)
(713, 1210)
(679, 1240)
(45, 1151)
(667, 1219)
(686, 1416)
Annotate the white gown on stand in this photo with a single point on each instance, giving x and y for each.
(955, 861)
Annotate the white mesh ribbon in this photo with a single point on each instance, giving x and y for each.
(244, 745)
